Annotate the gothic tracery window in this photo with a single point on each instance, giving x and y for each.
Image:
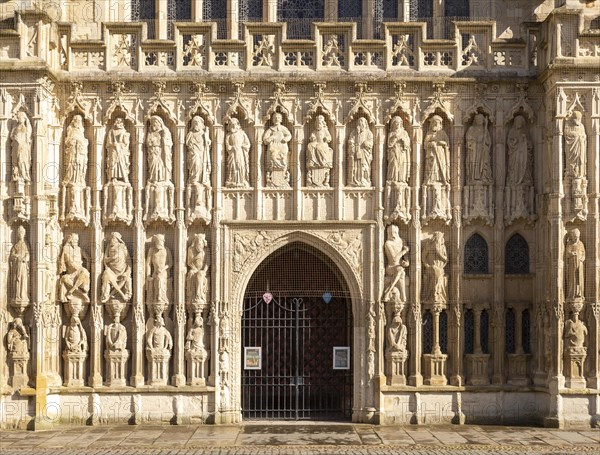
(299, 16)
(476, 255)
(516, 256)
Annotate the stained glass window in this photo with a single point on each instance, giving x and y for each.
(476, 255)
(516, 256)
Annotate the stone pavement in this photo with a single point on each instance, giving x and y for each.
(300, 438)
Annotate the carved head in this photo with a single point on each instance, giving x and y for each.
(156, 123)
(397, 123)
(320, 124)
(576, 116)
(119, 123)
(479, 119)
(276, 118)
(73, 239)
(159, 321)
(392, 232)
(438, 237)
(197, 123)
(234, 125)
(200, 239)
(436, 122)
(77, 121)
(363, 124)
(22, 118)
(574, 235)
(21, 233)
(17, 323)
(519, 122)
(158, 240)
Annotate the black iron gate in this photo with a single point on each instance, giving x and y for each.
(295, 376)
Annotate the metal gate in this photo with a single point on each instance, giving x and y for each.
(288, 341)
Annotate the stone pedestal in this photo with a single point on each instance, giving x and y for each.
(198, 199)
(116, 367)
(196, 367)
(574, 362)
(74, 368)
(278, 178)
(76, 202)
(158, 364)
(319, 177)
(397, 201)
(478, 203)
(159, 202)
(19, 360)
(434, 369)
(395, 366)
(518, 369)
(477, 369)
(118, 202)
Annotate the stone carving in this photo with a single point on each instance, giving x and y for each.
(436, 180)
(478, 193)
(118, 194)
(21, 137)
(396, 334)
(574, 267)
(116, 278)
(18, 345)
(159, 344)
(18, 278)
(479, 143)
(395, 274)
(575, 333)
(75, 353)
(197, 263)
(198, 190)
(237, 147)
(360, 155)
(332, 54)
(196, 353)
(519, 174)
(276, 139)
(575, 352)
(264, 51)
(397, 189)
(319, 155)
(435, 281)
(116, 339)
(247, 245)
(74, 280)
(75, 192)
(575, 167)
(158, 264)
(575, 147)
(159, 190)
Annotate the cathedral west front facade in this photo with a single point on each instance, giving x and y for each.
(378, 211)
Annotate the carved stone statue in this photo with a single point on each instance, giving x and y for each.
(118, 194)
(116, 337)
(198, 188)
(196, 353)
(197, 263)
(158, 264)
(18, 345)
(575, 147)
(319, 155)
(17, 338)
(437, 153)
(360, 155)
(575, 333)
(18, 278)
(237, 147)
(118, 154)
(396, 334)
(395, 275)
(21, 137)
(74, 281)
(435, 258)
(436, 179)
(520, 149)
(159, 343)
(75, 192)
(276, 139)
(159, 190)
(479, 143)
(116, 278)
(398, 152)
(574, 266)
(75, 337)
(159, 144)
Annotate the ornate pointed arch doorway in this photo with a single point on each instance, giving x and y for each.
(297, 309)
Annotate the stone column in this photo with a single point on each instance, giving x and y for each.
(179, 258)
(331, 10)
(368, 14)
(439, 9)
(197, 7)
(96, 253)
(270, 10)
(338, 170)
(161, 18)
(5, 111)
(258, 173)
(233, 17)
(414, 321)
(139, 319)
(297, 176)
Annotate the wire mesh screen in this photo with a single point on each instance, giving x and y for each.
(476, 255)
(444, 332)
(516, 256)
(484, 332)
(509, 332)
(427, 332)
(526, 334)
(145, 11)
(216, 11)
(299, 15)
(351, 11)
(469, 332)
